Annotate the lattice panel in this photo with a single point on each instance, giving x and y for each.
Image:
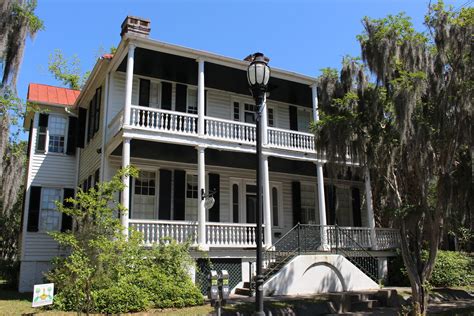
(204, 266)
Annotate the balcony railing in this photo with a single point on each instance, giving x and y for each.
(152, 119)
(285, 139)
(243, 235)
(155, 231)
(231, 235)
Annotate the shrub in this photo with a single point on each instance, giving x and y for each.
(451, 269)
(106, 272)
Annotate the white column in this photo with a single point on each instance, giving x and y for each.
(320, 175)
(129, 84)
(126, 191)
(370, 209)
(264, 120)
(201, 209)
(201, 105)
(267, 206)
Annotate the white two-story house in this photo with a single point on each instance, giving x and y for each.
(185, 118)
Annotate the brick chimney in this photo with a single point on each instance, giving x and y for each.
(136, 25)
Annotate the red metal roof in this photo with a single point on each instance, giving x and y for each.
(41, 93)
(107, 56)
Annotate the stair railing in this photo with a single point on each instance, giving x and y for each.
(354, 252)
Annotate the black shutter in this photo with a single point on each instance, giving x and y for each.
(205, 102)
(81, 127)
(179, 194)
(98, 98)
(66, 222)
(293, 118)
(356, 212)
(90, 119)
(181, 91)
(130, 195)
(296, 201)
(165, 195)
(330, 195)
(166, 96)
(42, 127)
(144, 93)
(30, 141)
(214, 186)
(96, 177)
(34, 209)
(71, 136)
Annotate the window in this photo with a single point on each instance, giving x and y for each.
(191, 186)
(144, 195)
(236, 111)
(235, 203)
(308, 209)
(192, 101)
(57, 132)
(275, 206)
(93, 119)
(49, 216)
(249, 113)
(271, 120)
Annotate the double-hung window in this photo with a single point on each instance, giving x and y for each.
(192, 101)
(144, 195)
(49, 219)
(57, 133)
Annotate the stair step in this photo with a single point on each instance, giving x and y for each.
(243, 291)
(362, 306)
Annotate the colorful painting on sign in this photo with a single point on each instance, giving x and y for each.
(43, 294)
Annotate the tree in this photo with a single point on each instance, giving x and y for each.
(68, 72)
(411, 125)
(17, 21)
(106, 272)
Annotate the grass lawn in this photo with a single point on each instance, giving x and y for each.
(14, 303)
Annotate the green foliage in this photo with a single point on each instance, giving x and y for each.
(26, 10)
(67, 71)
(451, 269)
(105, 271)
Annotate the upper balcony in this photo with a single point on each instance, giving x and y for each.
(179, 127)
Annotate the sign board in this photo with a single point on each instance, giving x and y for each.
(43, 294)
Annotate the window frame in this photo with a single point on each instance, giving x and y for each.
(61, 197)
(157, 192)
(48, 133)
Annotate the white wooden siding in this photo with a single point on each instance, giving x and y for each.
(219, 104)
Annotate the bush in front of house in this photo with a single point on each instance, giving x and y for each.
(451, 269)
(109, 273)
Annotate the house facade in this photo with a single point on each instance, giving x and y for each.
(185, 118)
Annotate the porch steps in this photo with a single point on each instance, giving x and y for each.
(364, 303)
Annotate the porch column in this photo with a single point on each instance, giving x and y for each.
(370, 209)
(267, 215)
(126, 191)
(320, 175)
(201, 100)
(129, 85)
(201, 203)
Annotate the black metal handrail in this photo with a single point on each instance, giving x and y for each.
(355, 253)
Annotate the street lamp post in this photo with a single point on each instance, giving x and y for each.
(258, 74)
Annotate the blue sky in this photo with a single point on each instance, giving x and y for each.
(300, 36)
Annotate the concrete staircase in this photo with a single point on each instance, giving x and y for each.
(364, 303)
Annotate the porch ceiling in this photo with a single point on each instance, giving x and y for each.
(187, 154)
(184, 70)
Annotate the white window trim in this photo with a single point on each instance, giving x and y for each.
(157, 184)
(188, 89)
(278, 186)
(66, 129)
(61, 198)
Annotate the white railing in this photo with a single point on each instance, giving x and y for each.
(231, 235)
(286, 139)
(387, 238)
(163, 120)
(155, 231)
(230, 130)
(115, 125)
(348, 237)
